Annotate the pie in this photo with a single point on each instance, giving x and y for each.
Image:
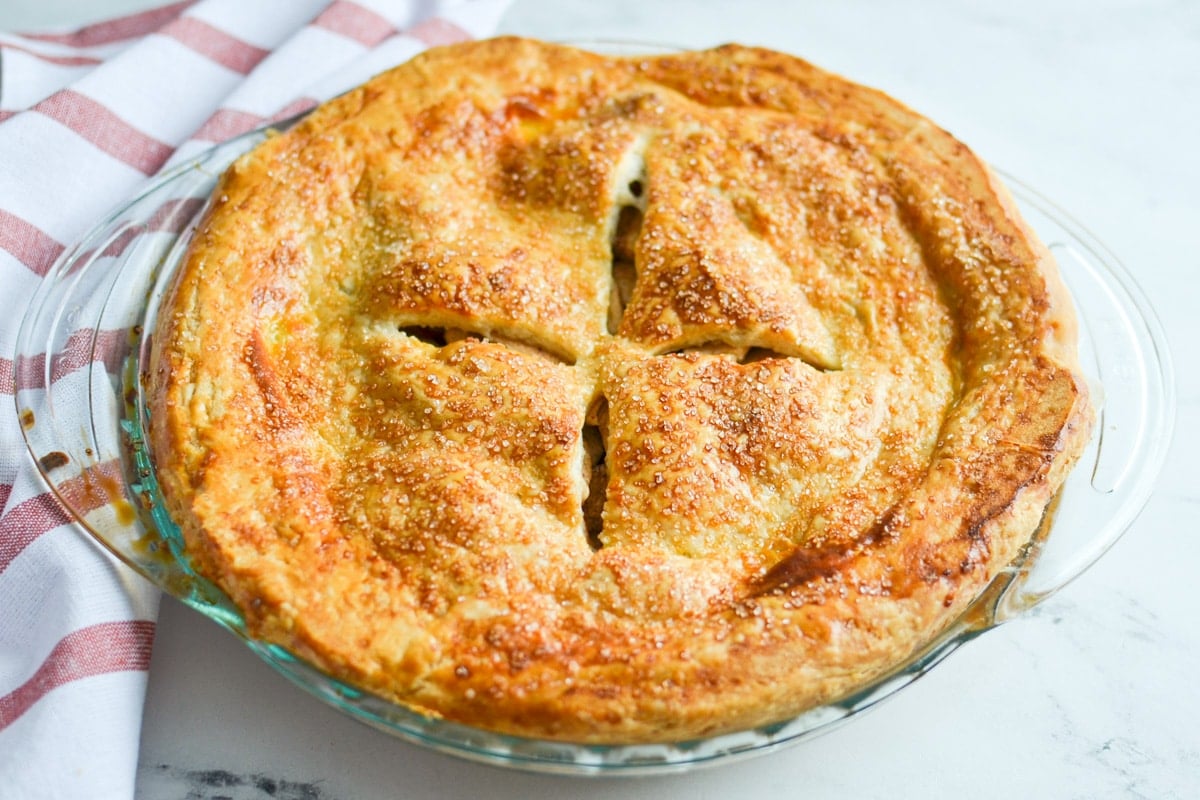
(610, 399)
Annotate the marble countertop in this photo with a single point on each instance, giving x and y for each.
(1093, 694)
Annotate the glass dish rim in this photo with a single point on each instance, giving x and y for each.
(987, 611)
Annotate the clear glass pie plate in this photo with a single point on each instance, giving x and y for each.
(79, 398)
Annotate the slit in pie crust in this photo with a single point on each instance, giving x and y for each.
(611, 399)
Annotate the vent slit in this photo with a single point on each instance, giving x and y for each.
(595, 471)
(424, 333)
(440, 337)
(743, 354)
(753, 354)
(624, 269)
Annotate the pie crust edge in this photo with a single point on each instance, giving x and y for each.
(810, 629)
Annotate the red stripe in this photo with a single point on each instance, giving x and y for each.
(5, 491)
(435, 31)
(6, 114)
(214, 43)
(86, 347)
(109, 346)
(172, 216)
(96, 650)
(82, 348)
(28, 243)
(100, 126)
(297, 106)
(227, 123)
(354, 22)
(26, 522)
(21, 525)
(117, 29)
(66, 61)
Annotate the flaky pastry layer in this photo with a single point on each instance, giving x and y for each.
(611, 399)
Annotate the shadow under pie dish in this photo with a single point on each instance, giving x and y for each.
(611, 399)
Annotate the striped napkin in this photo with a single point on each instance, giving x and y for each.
(86, 118)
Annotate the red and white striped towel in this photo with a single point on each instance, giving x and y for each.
(86, 118)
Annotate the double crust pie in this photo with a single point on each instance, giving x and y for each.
(611, 399)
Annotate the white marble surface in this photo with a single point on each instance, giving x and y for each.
(1092, 695)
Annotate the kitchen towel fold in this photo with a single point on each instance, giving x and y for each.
(87, 118)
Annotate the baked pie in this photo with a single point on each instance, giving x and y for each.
(611, 399)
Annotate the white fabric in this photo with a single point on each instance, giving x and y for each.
(86, 119)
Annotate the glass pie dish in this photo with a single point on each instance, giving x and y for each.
(82, 351)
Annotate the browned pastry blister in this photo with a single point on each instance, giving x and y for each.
(611, 399)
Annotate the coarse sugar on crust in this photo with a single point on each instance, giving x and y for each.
(611, 399)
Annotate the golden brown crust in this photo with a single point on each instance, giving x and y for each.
(834, 401)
